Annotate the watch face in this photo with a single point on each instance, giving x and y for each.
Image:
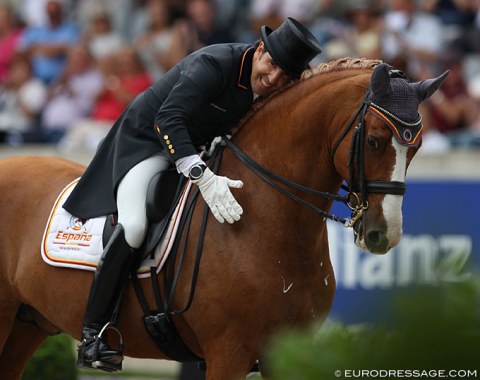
(196, 172)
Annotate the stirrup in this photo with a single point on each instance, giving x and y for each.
(110, 360)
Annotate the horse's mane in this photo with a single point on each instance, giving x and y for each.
(340, 64)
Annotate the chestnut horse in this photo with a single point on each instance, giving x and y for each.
(268, 271)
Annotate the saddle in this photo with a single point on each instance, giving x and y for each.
(72, 242)
(163, 194)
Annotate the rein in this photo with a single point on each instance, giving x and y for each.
(358, 186)
(270, 178)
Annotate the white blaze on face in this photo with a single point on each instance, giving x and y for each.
(392, 204)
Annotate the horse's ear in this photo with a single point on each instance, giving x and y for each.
(380, 81)
(426, 88)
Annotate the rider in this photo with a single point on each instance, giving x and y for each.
(203, 96)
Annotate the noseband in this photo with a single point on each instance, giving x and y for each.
(358, 187)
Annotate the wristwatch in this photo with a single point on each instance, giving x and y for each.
(196, 172)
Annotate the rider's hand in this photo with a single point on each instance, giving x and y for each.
(216, 192)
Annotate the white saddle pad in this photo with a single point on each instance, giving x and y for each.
(74, 243)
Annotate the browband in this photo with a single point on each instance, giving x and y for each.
(407, 134)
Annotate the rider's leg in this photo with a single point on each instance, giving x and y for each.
(112, 272)
(108, 283)
(131, 196)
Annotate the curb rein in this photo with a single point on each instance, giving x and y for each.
(357, 191)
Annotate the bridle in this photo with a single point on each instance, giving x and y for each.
(357, 186)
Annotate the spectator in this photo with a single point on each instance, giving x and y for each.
(9, 38)
(33, 12)
(364, 33)
(458, 16)
(48, 45)
(474, 130)
(71, 96)
(121, 86)
(119, 12)
(460, 19)
(451, 110)
(273, 12)
(200, 27)
(101, 39)
(301, 10)
(160, 45)
(21, 100)
(233, 15)
(361, 36)
(412, 36)
(327, 24)
(460, 13)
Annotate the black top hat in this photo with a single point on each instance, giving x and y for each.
(291, 46)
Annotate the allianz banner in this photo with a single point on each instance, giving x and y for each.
(441, 242)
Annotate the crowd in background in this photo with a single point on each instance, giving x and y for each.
(68, 68)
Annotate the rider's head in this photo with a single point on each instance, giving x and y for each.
(282, 54)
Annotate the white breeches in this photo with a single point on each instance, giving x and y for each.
(131, 197)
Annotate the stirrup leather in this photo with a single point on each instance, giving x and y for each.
(94, 352)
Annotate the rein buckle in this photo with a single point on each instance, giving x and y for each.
(357, 211)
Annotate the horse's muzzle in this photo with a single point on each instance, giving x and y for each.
(377, 242)
(371, 240)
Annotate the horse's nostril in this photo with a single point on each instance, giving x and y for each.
(376, 241)
(373, 236)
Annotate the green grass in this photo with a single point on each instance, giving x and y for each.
(432, 328)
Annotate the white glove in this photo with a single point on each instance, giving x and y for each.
(216, 192)
(217, 140)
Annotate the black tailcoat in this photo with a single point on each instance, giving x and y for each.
(200, 98)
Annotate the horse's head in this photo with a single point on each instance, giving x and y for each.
(384, 138)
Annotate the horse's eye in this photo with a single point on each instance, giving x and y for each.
(373, 143)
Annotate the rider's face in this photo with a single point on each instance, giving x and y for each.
(267, 76)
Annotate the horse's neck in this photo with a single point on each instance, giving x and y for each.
(293, 133)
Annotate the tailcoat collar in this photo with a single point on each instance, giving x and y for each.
(245, 73)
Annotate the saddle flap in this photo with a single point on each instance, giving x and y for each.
(162, 194)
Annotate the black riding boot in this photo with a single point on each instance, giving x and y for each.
(111, 279)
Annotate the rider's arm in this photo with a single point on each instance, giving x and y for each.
(200, 80)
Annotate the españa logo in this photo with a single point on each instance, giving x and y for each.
(75, 234)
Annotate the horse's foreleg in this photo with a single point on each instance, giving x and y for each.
(228, 364)
(22, 342)
(8, 310)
